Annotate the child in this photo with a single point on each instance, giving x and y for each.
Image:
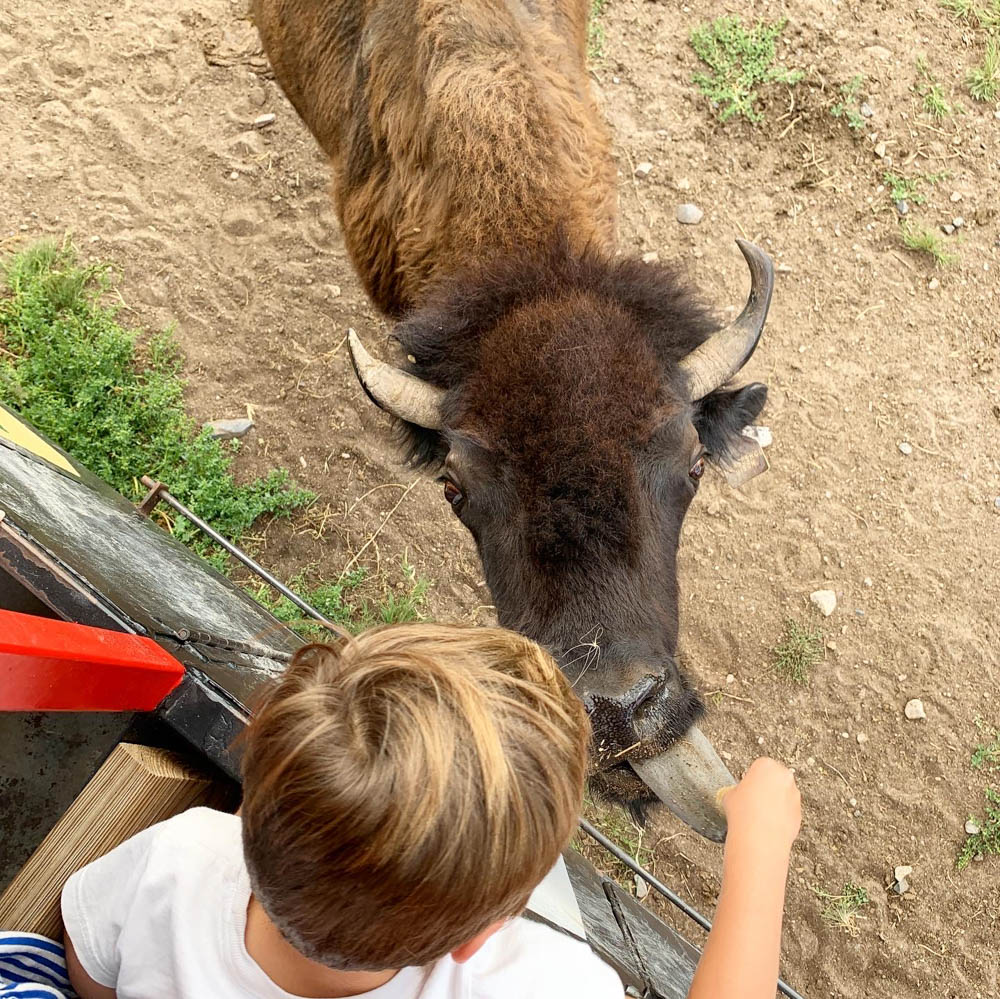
(403, 794)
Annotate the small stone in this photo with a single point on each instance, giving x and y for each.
(762, 435)
(869, 581)
(867, 110)
(996, 502)
(902, 872)
(948, 229)
(972, 827)
(862, 738)
(688, 214)
(650, 258)
(825, 600)
(225, 430)
(958, 221)
(996, 114)
(853, 802)
(643, 170)
(914, 709)
(933, 284)
(880, 150)
(264, 120)
(345, 454)
(902, 207)
(905, 447)
(234, 176)
(641, 887)
(783, 268)
(730, 678)
(901, 887)
(683, 184)
(334, 291)
(956, 196)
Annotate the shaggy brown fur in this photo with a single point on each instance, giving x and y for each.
(456, 129)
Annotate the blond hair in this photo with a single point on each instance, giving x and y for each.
(406, 789)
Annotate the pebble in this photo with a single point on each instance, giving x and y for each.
(996, 114)
(880, 150)
(825, 600)
(901, 886)
(996, 502)
(688, 214)
(683, 184)
(263, 120)
(933, 284)
(869, 581)
(867, 110)
(948, 229)
(650, 258)
(958, 221)
(643, 170)
(762, 435)
(641, 887)
(862, 738)
(906, 448)
(730, 678)
(956, 195)
(234, 176)
(902, 207)
(972, 827)
(914, 709)
(225, 430)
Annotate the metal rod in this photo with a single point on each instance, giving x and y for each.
(242, 556)
(636, 868)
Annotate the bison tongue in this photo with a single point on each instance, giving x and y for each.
(687, 778)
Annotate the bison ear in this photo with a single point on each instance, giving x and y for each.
(720, 418)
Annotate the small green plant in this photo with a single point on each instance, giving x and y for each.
(84, 380)
(984, 80)
(340, 603)
(934, 101)
(847, 106)
(741, 61)
(843, 909)
(595, 31)
(986, 757)
(909, 188)
(619, 827)
(965, 10)
(921, 240)
(798, 652)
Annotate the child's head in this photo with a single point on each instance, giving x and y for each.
(406, 790)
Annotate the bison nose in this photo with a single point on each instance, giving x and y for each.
(689, 779)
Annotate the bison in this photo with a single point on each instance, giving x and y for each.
(570, 397)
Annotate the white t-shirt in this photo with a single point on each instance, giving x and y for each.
(163, 916)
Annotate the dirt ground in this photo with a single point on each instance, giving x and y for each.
(129, 125)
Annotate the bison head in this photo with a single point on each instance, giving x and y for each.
(570, 402)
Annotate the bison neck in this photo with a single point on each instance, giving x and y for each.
(457, 130)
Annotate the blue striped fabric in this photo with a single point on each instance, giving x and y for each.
(32, 967)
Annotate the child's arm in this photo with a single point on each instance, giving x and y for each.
(740, 960)
(86, 987)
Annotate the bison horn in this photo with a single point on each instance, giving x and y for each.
(723, 354)
(396, 391)
(689, 778)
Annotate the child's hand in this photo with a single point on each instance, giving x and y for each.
(765, 805)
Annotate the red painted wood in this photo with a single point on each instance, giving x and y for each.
(50, 665)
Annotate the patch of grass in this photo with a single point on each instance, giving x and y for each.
(341, 603)
(82, 378)
(798, 652)
(933, 99)
(616, 824)
(740, 61)
(847, 106)
(908, 188)
(984, 80)
(843, 909)
(986, 757)
(926, 241)
(595, 31)
(967, 10)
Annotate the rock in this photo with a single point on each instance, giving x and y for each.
(996, 502)
(264, 120)
(643, 170)
(914, 709)
(762, 435)
(958, 221)
(641, 887)
(972, 827)
(650, 258)
(825, 600)
(783, 268)
(869, 581)
(234, 176)
(689, 214)
(878, 52)
(730, 678)
(880, 150)
(956, 196)
(933, 284)
(867, 110)
(901, 887)
(948, 229)
(225, 430)
(862, 738)
(683, 184)
(905, 448)
(996, 114)
(902, 871)
(902, 207)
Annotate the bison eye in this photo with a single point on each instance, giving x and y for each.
(453, 495)
(697, 469)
